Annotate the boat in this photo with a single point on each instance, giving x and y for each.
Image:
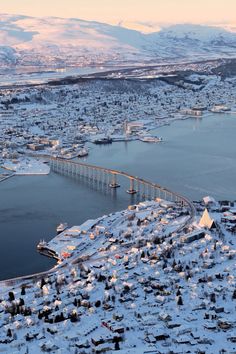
(62, 227)
(42, 245)
(151, 139)
(106, 140)
(83, 152)
(44, 249)
(68, 156)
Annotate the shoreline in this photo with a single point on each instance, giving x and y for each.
(174, 196)
(175, 263)
(98, 149)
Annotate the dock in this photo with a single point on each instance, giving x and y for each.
(77, 239)
(4, 177)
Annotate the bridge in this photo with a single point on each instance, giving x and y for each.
(110, 178)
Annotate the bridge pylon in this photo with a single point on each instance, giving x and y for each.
(114, 183)
(131, 189)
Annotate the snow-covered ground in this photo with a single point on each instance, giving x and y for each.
(55, 120)
(27, 166)
(60, 42)
(130, 280)
(144, 288)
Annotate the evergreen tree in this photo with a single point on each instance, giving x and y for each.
(180, 301)
(9, 333)
(97, 303)
(117, 345)
(11, 296)
(213, 297)
(43, 282)
(178, 292)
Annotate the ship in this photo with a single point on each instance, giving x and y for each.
(62, 227)
(83, 152)
(151, 139)
(106, 140)
(44, 249)
(42, 245)
(68, 156)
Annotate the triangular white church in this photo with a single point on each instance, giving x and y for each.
(206, 220)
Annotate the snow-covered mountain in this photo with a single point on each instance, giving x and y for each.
(58, 41)
(141, 26)
(7, 55)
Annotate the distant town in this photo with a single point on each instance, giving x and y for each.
(59, 118)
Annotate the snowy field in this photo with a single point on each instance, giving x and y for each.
(27, 166)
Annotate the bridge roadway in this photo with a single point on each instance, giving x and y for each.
(82, 169)
(86, 170)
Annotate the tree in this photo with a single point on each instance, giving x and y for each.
(21, 302)
(101, 278)
(126, 288)
(73, 317)
(117, 345)
(138, 222)
(11, 296)
(213, 297)
(9, 333)
(97, 303)
(180, 301)
(178, 292)
(42, 283)
(23, 290)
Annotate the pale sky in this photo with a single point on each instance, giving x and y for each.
(113, 11)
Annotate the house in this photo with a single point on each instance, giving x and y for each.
(209, 200)
(35, 147)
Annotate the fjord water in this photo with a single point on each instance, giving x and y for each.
(197, 158)
(36, 75)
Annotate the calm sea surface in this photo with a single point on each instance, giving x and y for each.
(197, 158)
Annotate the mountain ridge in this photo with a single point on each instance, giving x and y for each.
(27, 40)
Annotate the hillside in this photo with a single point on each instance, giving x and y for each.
(63, 42)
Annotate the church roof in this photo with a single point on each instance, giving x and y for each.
(206, 220)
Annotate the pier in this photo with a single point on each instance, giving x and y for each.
(4, 177)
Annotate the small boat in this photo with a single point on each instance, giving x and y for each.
(42, 245)
(151, 139)
(61, 227)
(68, 156)
(44, 249)
(106, 140)
(83, 152)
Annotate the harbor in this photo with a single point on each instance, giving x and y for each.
(5, 176)
(63, 245)
(81, 238)
(39, 203)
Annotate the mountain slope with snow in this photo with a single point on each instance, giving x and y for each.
(58, 41)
